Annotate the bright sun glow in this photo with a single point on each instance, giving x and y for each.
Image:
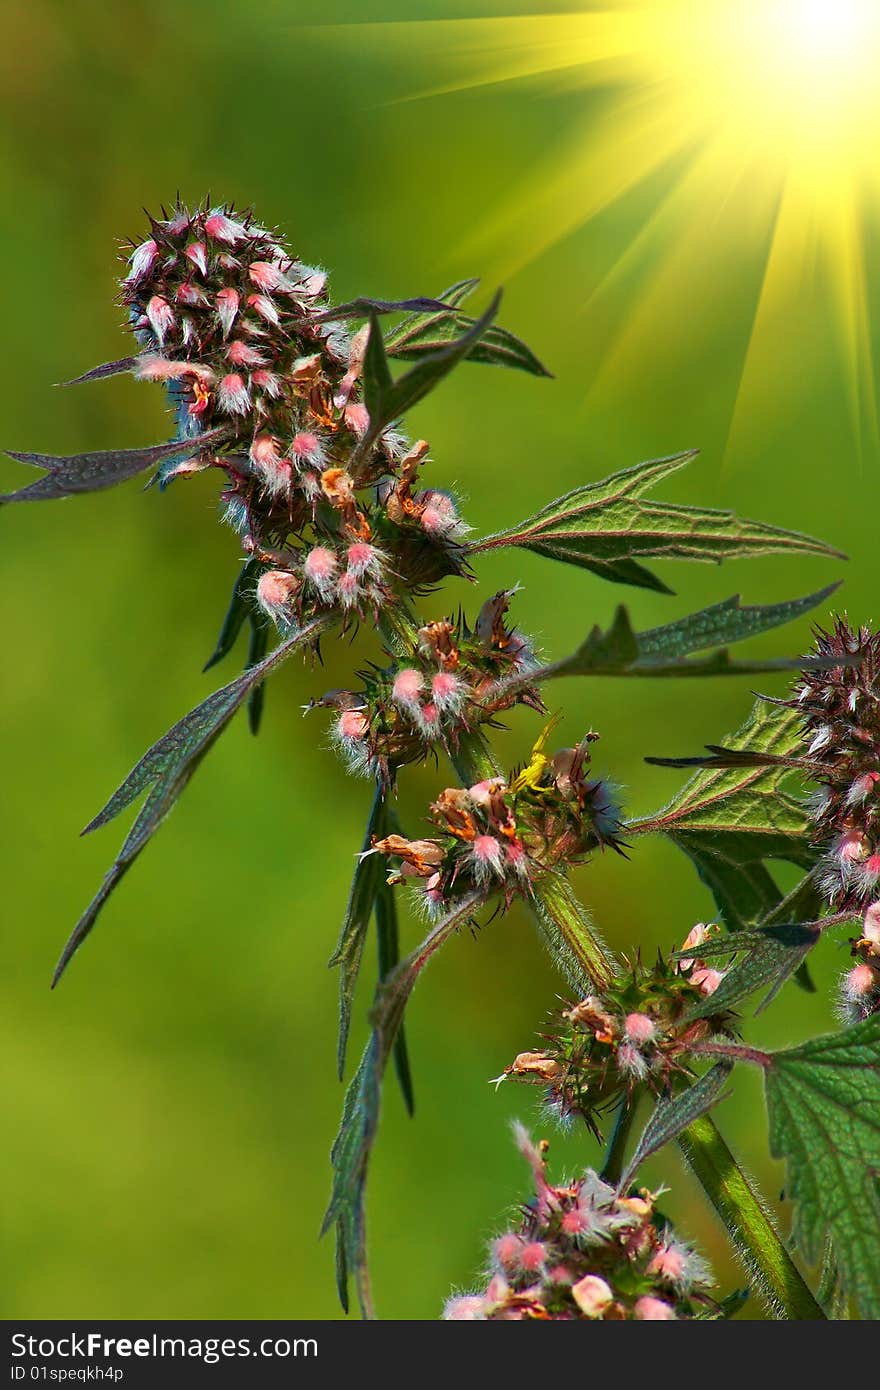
(757, 120)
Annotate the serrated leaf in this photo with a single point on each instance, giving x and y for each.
(823, 1102)
(166, 769)
(604, 526)
(425, 333)
(350, 1155)
(349, 950)
(722, 623)
(731, 820)
(240, 605)
(674, 1114)
(92, 472)
(773, 955)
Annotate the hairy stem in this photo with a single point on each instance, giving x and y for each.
(588, 964)
(746, 1220)
(735, 1052)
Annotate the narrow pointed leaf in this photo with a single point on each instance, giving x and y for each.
(387, 400)
(729, 621)
(349, 951)
(731, 820)
(378, 382)
(92, 472)
(388, 934)
(665, 651)
(240, 606)
(166, 768)
(773, 955)
(360, 1115)
(673, 1115)
(363, 307)
(823, 1101)
(606, 527)
(123, 364)
(257, 646)
(415, 384)
(425, 333)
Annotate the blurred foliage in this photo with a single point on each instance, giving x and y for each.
(170, 1109)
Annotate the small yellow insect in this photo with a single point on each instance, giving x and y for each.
(532, 773)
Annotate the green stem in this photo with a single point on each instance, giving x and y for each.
(571, 937)
(588, 964)
(747, 1222)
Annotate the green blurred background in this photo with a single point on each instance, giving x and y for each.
(170, 1109)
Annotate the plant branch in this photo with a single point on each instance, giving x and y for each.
(747, 1222)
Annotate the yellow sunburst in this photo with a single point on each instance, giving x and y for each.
(764, 116)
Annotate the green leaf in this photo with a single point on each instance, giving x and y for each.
(166, 769)
(388, 933)
(603, 526)
(122, 364)
(348, 954)
(351, 1151)
(240, 606)
(364, 308)
(426, 333)
(378, 382)
(731, 820)
(387, 400)
(674, 1114)
(823, 1100)
(259, 642)
(664, 651)
(725, 622)
(773, 955)
(76, 473)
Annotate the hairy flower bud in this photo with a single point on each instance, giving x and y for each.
(638, 1033)
(583, 1252)
(840, 706)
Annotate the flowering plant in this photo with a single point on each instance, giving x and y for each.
(297, 412)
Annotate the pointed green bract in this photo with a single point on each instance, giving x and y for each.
(823, 1100)
(360, 1116)
(606, 527)
(166, 768)
(731, 820)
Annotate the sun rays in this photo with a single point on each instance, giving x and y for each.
(753, 126)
